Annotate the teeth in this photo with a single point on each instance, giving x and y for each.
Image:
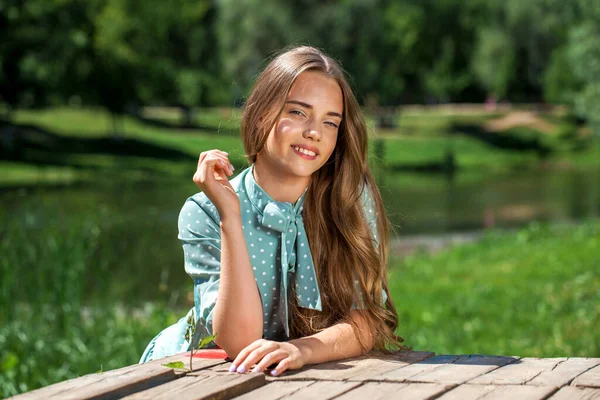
(304, 151)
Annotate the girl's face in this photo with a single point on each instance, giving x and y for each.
(305, 133)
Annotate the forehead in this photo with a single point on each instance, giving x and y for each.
(318, 90)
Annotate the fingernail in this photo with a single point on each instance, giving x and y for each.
(241, 369)
(232, 368)
(226, 152)
(231, 166)
(256, 369)
(274, 372)
(222, 162)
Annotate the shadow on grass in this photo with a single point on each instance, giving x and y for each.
(37, 146)
(158, 123)
(504, 140)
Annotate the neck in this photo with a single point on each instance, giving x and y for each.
(280, 186)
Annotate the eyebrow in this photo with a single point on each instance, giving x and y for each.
(306, 105)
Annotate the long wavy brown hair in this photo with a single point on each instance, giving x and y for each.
(340, 239)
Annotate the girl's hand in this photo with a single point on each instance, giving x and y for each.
(211, 177)
(264, 353)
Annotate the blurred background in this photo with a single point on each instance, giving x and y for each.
(484, 119)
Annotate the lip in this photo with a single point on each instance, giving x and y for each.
(307, 147)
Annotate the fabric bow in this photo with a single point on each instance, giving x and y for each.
(282, 217)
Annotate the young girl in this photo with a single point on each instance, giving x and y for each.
(289, 257)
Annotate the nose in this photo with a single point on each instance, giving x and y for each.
(312, 132)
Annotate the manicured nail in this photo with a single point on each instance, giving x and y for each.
(256, 369)
(226, 152)
(232, 368)
(241, 369)
(231, 166)
(274, 372)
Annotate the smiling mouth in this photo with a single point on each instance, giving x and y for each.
(309, 153)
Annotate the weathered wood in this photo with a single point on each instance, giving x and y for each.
(498, 392)
(198, 364)
(331, 371)
(323, 390)
(576, 393)
(388, 390)
(387, 364)
(463, 369)
(565, 372)
(275, 390)
(402, 374)
(199, 387)
(518, 372)
(590, 378)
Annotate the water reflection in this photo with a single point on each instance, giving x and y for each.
(140, 258)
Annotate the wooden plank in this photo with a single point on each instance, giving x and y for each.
(404, 373)
(204, 387)
(590, 378)
(351, 368)
(392, 390)
(198, 364)
(387, 364)
(275, 390)
(331, 371)
(500, 392)
(462, 370)
(147, 375)
(565, 372)
(323, 390)
(518, 372)
(576, 393)
(109, 384)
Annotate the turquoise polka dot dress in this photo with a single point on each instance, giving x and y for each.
(279, 253)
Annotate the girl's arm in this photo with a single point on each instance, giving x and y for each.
(334, 343)
(237, 315)
(238, 319)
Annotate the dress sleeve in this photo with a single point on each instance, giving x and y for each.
(200, 237)
(366, 199)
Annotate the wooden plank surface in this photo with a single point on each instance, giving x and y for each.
(463, 369)
(204, 387)
(576, 393)
(565, 372)
(518, 372)
(498, 392)
(402, 374)
(275, 390)
(591, 378)
(385, 364)
(121, 381)
(390, 390)
(349, 368)
(323, 390)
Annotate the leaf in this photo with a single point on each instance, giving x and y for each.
(176, 364)
(205, 341)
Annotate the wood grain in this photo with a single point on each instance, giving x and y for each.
(518, 372)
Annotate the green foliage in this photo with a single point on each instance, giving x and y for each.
(533, 293)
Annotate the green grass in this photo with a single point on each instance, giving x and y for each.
(534, 293)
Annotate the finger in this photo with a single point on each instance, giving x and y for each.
(225, 163)
(244, 353)
(256, 355)
(223, 155)
(281, 367)
(270, 359)
(210, 165)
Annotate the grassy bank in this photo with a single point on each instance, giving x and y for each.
(531, 293)
(66, 144)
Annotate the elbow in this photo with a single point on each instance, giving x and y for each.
(234, 342)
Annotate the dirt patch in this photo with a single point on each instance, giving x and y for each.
(517, 119)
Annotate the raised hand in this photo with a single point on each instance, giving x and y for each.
(211, 177)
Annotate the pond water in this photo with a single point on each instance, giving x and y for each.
(140, 259)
